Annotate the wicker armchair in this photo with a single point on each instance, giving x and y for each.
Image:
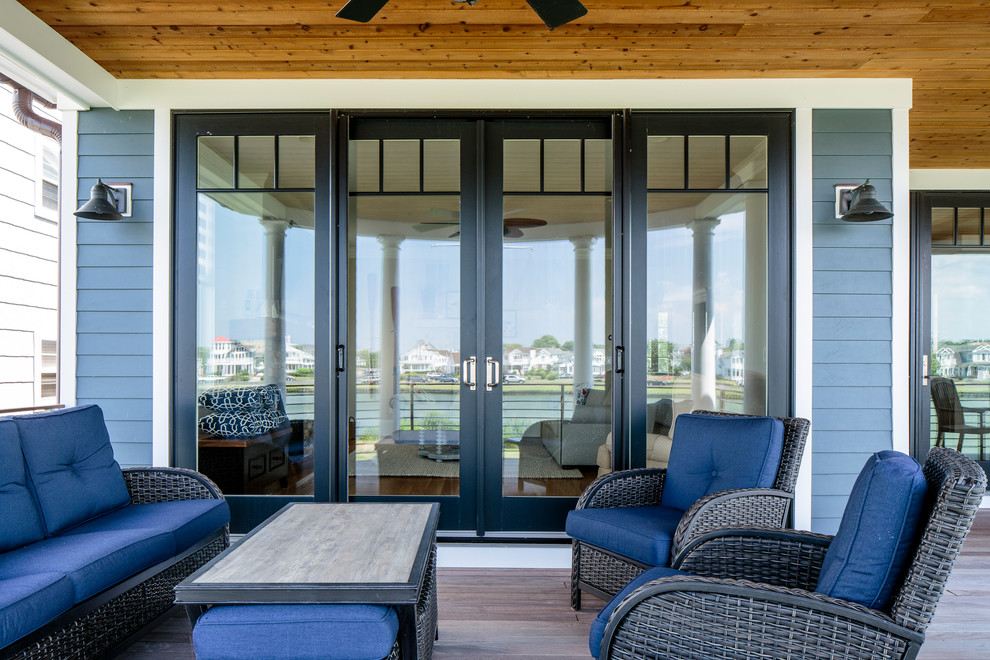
(751, 592)
(604, 573)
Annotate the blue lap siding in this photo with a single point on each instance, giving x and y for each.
(114, 280)
(851, 395)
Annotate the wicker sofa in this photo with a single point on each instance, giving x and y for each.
(870, 591)
(90, 553)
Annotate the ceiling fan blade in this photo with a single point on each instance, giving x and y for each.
(556, 12)
(361, 11)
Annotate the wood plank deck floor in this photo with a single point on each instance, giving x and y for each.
(524, 614)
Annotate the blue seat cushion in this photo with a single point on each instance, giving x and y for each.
(188, 521)
(712, 453)
(93, 562)
(330, 632)
(28, 602)
(21, 519)
(71, 465)
(601, 621)
(878, 531)
(642, 533)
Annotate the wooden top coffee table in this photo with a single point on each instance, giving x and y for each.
(378, 553)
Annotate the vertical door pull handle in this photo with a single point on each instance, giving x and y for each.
(469, 372)
(493, 372)
(341, 358)
(620, 354)
(924, 370)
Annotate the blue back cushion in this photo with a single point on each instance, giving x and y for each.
(711, 453)
(21, 520)
(71, 465)
(878, 532)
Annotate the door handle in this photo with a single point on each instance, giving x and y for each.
(469, 372)
(493, 373)
(924, 370)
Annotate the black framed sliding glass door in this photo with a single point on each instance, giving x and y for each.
(474, 316)
(249, 389)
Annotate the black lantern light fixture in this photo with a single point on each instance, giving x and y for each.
(860, 204)
(107, 202)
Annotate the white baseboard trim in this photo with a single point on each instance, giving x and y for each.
(505, 555)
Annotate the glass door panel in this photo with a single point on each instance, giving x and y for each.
(959, 366)
(556, 268)
(255, 341)
(404, 311)
(706, 277)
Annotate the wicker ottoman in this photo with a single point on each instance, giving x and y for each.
(297, 632)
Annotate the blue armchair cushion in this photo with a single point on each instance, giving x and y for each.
(326, 632)
(71, 465)
(601, 621)
(21, 519)
(642, 533)
(28, 602)
(188, 521)
(711, 453)
(878, 531)
(93, 562)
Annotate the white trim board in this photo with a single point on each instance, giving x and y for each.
(468, 94)
(508, 555)
(900, 279)
(950, 179)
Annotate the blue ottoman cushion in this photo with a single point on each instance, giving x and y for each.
(642, 533)
(28, 602)
(601, 621)
(878, 531)
(711, 453)
(326, 632)
(93, 562)
(21, 519)
(71, 465)
(188, 521)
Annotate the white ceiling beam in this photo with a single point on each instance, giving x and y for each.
(44, 61)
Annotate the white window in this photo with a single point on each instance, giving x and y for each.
(47, 180)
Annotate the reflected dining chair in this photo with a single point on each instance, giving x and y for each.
(951, 415)
(870, 591)
(724, 470)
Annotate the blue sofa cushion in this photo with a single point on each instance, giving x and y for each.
(71, 465)
(352, 632)
(92, 562)
(21, 520)
(30, 601)
(878, 531)
(188, 521)
(601, 621)
(711, 453)
(642, 533)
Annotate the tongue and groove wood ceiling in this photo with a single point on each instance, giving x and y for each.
(943, 46)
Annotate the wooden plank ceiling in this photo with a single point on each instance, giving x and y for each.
(944, 46)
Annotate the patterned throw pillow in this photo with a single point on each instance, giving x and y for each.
(242, 424)
(253, 397)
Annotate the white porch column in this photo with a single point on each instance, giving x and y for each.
(274, 300)
(703, 345)
(583, 347)
(388, 368)
(755, 325)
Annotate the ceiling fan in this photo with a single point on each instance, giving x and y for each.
(552, 12)
(512, 227)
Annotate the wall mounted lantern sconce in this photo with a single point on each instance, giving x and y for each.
(859, 203)
(107, 201)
